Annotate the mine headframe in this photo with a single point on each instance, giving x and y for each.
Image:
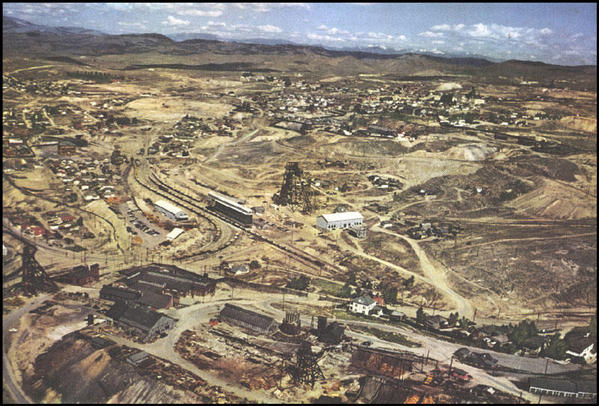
(35, 277)
(306, 368)
(295, 189)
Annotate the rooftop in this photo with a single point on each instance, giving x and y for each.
(343, 216)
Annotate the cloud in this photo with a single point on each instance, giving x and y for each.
(332, 31)
(269, 28)
(441, 27)
(175, 21)
(266, 7)
(447, 27)
(430, 34)
(402, 37)
(438, 42)
(318, 37)
(480, 30)
(200, 13)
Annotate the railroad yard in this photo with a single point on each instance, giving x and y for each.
(163, 236)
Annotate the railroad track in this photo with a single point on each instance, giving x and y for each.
(193, 204)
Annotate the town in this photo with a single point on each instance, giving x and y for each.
(210, 229)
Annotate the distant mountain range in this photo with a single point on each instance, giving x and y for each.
(202, 50)
(15, 25)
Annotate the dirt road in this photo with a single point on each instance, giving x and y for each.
(435, 273)
(10, 321)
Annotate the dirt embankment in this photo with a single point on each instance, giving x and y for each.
(73, 371)
(580, 123)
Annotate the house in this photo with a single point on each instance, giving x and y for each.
(363, 305)
(583, 347)
(248, 319)
(436, 322)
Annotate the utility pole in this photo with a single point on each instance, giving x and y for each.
(449, 370)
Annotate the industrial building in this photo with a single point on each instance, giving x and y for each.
(231, 208)
(248, 319)
(339, 220)
(81, 275)
(170, 210)
(173, 282)
(383, 362)
(139, 320)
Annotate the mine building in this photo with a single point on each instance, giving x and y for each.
(248, 319)
(119, 294)
(82, 275)
(147, 294)
(139, 320)
(339, 220)
(231, 208)
(330, 333)
(170, 210)
(383, 362)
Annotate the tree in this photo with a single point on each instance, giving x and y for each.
(300, 283)
(351, 278)
(390, 294)
(464, 322)
(453, 318)
(345, 290)
(408, 283)
(420, 316)
(593, 325)
(522, 332)
(254, 264)
(556, 349)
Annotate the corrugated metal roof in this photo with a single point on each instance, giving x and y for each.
(257, 320)
(344, 216)
(174, 233)
(168, 206)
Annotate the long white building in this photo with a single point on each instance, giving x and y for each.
(334, 221)
(170, 210)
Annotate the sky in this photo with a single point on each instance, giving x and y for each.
(557, 33)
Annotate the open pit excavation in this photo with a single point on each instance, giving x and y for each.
(265, 203)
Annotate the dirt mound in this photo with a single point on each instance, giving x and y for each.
(365, 148)
(553, 200)
(580, 123)
(471, 152)
(448, 86)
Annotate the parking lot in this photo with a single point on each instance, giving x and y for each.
(139, 225)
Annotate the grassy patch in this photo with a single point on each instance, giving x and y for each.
(327, 287)
(388, 336)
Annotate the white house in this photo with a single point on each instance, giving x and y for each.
(339, 220)
(583, 347)
(363, 305)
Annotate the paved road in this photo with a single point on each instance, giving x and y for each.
(442, 350)
(9, 321)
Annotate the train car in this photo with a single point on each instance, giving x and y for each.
(231, 208)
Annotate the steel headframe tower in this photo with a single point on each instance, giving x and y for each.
(295, 190)
(306, 369)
